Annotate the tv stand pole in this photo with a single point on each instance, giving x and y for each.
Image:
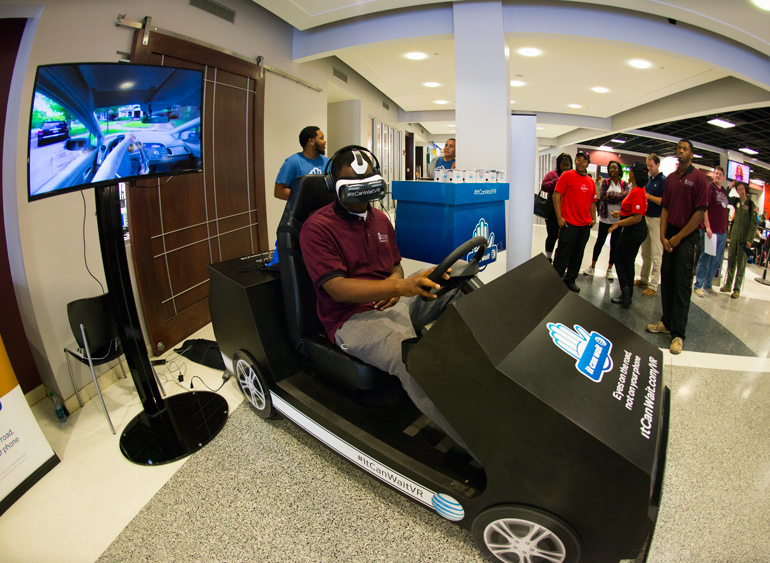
(168, 428)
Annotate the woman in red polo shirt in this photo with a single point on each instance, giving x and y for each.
(633, 232)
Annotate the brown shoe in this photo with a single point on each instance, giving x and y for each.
(649, 291)
(640, 283)
(658, 327)
(676, 346)
(736, 294)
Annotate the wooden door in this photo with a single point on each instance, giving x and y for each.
(179, 225)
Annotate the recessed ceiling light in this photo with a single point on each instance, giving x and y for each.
(416, 56)
(517, 83)
(617, 141)
(126, 85)
(749, 151)
(697, 156)
(441, 102)
(575, 106)
(431, 84)
(540, 128)
(529, 51)
(513, 102)
(764, 4)
(640, 63)
(606, 148)
(600, 89)
(721, 123)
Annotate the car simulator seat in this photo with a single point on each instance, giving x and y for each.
(309, 193)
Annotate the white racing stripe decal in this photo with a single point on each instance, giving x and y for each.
(369, 464)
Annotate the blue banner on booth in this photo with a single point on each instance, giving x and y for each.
(434, 218)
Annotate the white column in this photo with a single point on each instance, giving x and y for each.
(481, 86)
(521, 199)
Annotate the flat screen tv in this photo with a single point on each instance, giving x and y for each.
(94, 124)
(738, 171)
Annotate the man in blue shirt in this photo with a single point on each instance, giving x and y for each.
(311, 160)
(447, 161)
(652, 247)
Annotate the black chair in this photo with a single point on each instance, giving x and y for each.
(309, 193)
(96, 335)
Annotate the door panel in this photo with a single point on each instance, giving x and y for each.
(179, 225)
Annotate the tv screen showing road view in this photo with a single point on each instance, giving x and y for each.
(103, 123)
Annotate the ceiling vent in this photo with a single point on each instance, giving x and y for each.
(386, 106)
(218, 10)
(337, 73)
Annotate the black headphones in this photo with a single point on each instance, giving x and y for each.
(362, 189)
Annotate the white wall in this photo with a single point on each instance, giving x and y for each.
(344, 125)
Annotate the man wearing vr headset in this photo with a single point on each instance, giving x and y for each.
(351, 255)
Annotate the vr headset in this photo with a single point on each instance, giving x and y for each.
(364, 187)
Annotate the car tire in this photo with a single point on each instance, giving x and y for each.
(253, 384)
(513, 534)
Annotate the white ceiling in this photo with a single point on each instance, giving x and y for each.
(402, 80)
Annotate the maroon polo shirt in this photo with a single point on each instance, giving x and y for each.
(717, 210)
(336, 243)
(683, 194)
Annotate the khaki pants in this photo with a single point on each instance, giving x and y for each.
(652, 252)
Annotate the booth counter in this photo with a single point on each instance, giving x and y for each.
(434, 218)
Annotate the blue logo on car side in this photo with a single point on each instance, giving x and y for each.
(592, 351)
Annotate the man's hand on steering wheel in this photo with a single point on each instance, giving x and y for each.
(420, 284)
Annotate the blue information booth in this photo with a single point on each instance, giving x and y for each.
(434, 218)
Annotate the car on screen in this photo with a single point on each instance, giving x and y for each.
(52, 131)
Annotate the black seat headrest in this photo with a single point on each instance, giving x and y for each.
(308, 193)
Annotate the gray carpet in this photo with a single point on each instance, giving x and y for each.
(266, 491)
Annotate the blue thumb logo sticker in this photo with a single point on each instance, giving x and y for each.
(592, 351)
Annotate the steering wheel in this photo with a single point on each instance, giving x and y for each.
(461, 273)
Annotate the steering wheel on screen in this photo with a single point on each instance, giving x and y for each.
(463, 271)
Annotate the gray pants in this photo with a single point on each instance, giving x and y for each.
(375, 337)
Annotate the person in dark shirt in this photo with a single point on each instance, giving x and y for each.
(716, 227)
(563, 163)
(366, 305)
(685, 198)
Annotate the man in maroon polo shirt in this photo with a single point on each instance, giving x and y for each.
(685, 199)
(351, 255)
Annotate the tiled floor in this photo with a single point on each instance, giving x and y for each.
(715, 501)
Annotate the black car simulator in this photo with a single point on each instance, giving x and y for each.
(564, 408)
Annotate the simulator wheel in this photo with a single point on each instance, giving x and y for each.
(469, 270)
(519, 534)
(253, 384)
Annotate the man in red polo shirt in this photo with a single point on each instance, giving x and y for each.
(685, 199)
(351, 255)
(574, 201)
